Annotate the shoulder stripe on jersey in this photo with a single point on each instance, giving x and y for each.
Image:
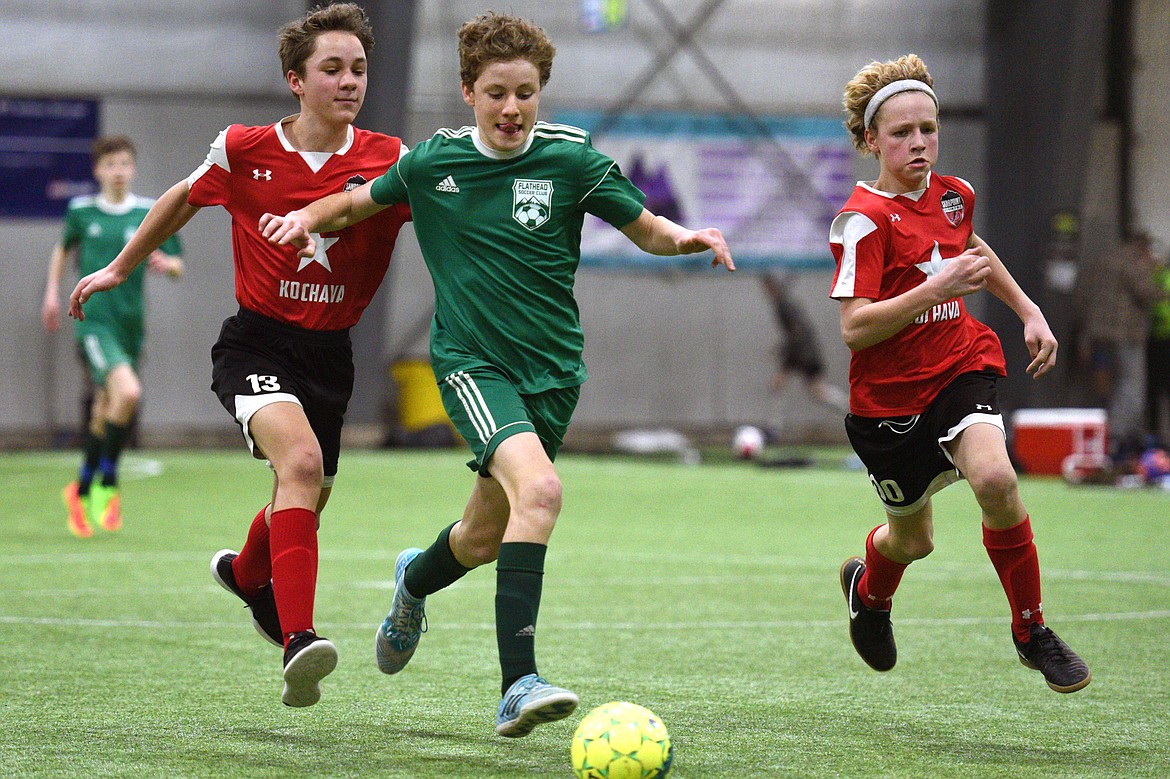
(568, 128)
(967, 183)
(847, 230)
(555, 136)
(82, 201)
(598, 184)
(447, 132)
(216, 155)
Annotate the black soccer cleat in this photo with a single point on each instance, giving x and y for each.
(308, 659)
(1063, 668)
(870, 629)
(262, 604)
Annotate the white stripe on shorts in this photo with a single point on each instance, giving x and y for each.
(247, 405)
(473, 404)
(93, 350)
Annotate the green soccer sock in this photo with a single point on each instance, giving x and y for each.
(519, 573)
(116, 436)
(434, 568)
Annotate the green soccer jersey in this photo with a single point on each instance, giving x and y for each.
(501, 236)
(100, 229)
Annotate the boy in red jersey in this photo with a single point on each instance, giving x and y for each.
(922, 378)
(283, 366)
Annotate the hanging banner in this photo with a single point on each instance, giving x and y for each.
(771, 184)
(44, 154)
(603, 15)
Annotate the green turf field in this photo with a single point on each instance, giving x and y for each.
(707, 593)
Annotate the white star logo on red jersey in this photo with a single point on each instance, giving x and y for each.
(936, 263)
(322, 253)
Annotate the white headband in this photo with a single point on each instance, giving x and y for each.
(891, 89)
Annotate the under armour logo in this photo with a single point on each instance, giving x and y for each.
(258, 174)
(895, 217)
(981, 407)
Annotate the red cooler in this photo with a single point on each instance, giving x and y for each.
(1050, 440)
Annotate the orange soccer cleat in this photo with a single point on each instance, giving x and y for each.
(106, 505)
(77, 506)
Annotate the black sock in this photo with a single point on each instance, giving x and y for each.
(116, 436)
(434, 568)
(92, 456)
(519, 571)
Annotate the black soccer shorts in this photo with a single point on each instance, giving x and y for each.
(258, 360)
(907, 457)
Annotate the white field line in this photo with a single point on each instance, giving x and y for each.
(130, 467)
(745, 625)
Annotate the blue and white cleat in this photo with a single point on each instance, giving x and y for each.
(398, 636)
(532, 701)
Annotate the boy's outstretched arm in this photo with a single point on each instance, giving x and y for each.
(1038, 337)
(658, 235)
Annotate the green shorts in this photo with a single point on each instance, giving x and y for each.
(486, 408)
(104, 350)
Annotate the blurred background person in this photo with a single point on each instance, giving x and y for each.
(1116, 293)
(799, 351)
(110, 339)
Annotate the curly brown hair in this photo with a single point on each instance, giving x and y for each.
(298, 38)
(868, 81)
(493, 37)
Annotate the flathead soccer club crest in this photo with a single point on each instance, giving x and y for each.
(531, 202)
(952, 207)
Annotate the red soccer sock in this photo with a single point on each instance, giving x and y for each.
(253, 566)
(881, 578)
(294, 568)
(1014, 556)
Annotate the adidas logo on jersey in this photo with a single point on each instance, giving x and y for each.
(447, 185)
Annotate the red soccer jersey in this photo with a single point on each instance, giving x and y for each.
(254, 170)
(886, 245)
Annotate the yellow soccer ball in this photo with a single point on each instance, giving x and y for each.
(621, 740)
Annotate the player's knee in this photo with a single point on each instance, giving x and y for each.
(995, 487)
(130, 395)
(123, 400)
(302, 467)
(544, 493)
(540, 499)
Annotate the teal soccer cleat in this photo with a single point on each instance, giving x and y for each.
(399, 634)
(532, 701)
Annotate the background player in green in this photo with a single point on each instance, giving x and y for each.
(96, 228)
(497, 211)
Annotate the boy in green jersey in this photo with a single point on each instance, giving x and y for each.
(96, 228)
(497, 210)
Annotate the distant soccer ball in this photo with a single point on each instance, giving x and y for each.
(531, 214)
(747, 442)
(621, 741)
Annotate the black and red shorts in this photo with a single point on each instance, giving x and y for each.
(907, 457)
(258, 360)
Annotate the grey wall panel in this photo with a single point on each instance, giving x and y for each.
(688, 351)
